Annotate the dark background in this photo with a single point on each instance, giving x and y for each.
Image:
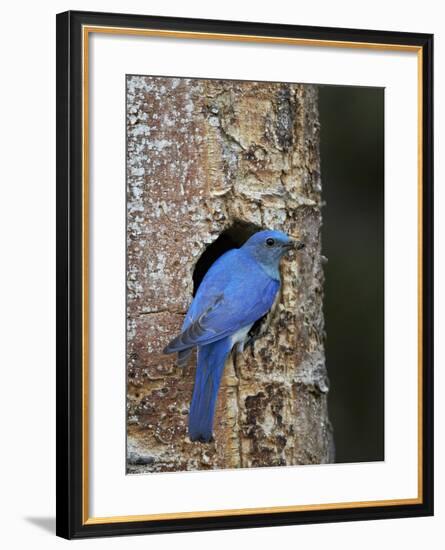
(352, 170)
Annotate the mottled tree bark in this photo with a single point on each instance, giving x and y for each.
(202, 156)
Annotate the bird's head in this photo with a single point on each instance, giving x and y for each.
(268, 247)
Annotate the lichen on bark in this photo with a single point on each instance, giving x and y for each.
(203, 155)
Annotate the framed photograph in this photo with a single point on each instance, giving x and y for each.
(244, 274)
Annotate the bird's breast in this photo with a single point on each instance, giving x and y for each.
(240, 336)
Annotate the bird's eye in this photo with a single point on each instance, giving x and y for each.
(270, 241)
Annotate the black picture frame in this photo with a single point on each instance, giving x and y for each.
(69, 426)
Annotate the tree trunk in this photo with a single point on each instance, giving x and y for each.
(204, 157)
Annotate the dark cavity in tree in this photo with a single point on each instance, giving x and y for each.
(232, 237)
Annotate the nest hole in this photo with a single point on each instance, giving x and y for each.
(232, 237)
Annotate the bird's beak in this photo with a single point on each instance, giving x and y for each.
(294, 245)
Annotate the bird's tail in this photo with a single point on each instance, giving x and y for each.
(210, 366)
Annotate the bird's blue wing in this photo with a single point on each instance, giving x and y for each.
(234, 293)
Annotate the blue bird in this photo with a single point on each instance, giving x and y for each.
(238, 289)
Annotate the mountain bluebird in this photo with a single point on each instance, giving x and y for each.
(237, 290)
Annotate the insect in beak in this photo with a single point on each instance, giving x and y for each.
(294, 245)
